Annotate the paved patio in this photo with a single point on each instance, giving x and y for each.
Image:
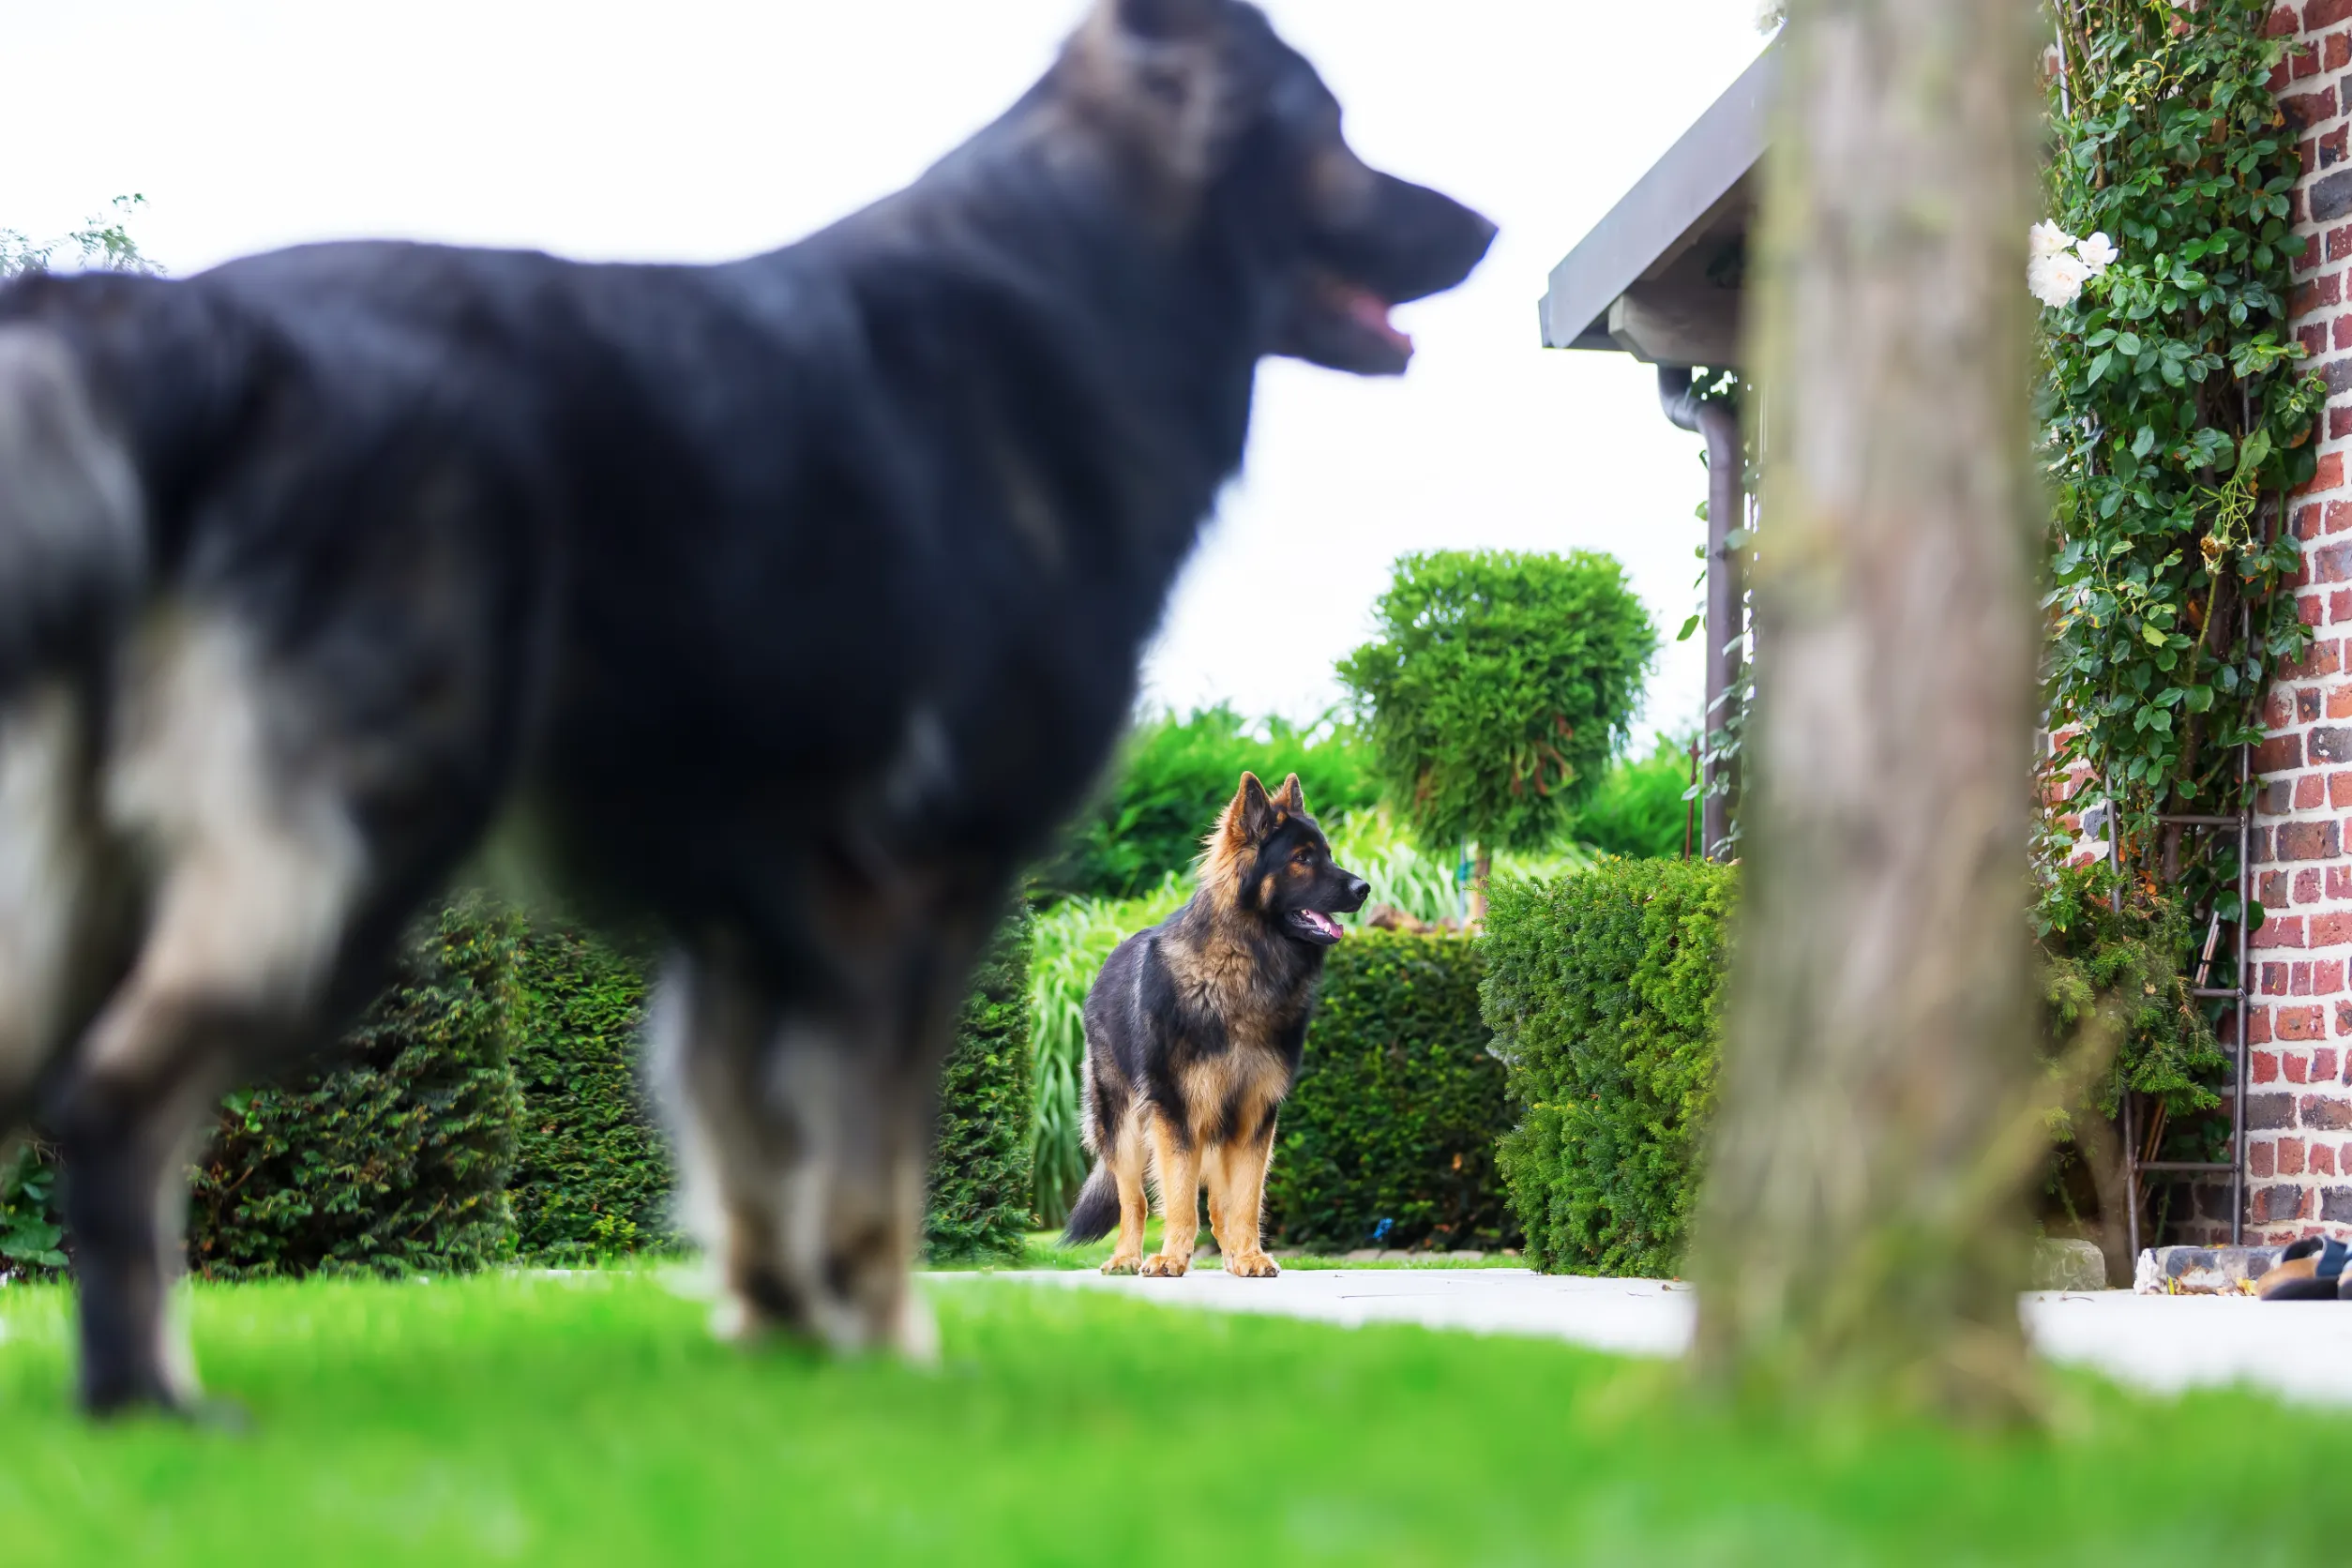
(2164, 1343)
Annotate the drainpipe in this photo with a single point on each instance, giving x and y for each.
(1727, 506)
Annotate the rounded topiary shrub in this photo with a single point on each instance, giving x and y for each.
(1397, 1107)
(1605, 991)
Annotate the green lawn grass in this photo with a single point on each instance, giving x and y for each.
(588, 1419)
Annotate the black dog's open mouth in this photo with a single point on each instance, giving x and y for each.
(1315, 927)
(1345, 325)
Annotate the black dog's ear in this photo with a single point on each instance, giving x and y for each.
(1153, 76)
(1290, 797)
(1164, 20)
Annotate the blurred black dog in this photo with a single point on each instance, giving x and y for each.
(792, 603)
(1194, 1031)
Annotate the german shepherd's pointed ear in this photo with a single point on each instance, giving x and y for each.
(1251, 816)
(1290, 797)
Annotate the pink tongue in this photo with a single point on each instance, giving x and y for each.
(1370, 312)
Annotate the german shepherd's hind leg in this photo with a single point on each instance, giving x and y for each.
(1125, 1157)
(257, 875)
(1177, 1166)
(802, 1172)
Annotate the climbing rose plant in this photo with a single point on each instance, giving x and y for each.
(2176, 412)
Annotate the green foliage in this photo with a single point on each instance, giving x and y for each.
(1069, 942)
(1403, 875)
(592, 1174)
(2120, 969)
(393, 1158)
(102, 243)
(980, 1174)
(2175, 411)
(1397, 1105)
(1604, 992)
(1639, 811)
(1175, 776)
(1498, 689)
(32, 1231)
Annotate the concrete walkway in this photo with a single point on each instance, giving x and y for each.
(2302, 1351)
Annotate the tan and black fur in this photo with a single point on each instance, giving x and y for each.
(1194, 1031)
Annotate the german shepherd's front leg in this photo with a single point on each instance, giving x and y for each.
(1237, 1196)
(1179, 1164)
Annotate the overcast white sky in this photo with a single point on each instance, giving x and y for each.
(705, 128)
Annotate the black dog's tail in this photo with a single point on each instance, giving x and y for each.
(73, 537)
(1096, 1215)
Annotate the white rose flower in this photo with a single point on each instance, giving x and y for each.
(1771, 14)
(2048, 239)
(2098, 252)
(2057, 280)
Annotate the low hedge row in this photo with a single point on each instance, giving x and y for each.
(487, 1106)
(1389, 1139)
(980, 1170)
(1604, 992)
(591, 1169)
(395, 1156)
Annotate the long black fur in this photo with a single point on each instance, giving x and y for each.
(795, 600)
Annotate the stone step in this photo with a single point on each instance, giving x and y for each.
(2063, 1263)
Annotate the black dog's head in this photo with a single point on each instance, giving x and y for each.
(1226, 133)
(1273, 859)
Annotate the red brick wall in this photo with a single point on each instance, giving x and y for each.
(2300, 1108)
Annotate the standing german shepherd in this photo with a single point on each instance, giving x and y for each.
(792, 602)
(1193, 1036)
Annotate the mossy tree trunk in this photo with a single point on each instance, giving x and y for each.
(1863, 1228)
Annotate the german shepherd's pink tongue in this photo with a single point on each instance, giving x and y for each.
(1321, 923)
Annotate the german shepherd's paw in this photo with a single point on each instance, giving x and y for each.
(1125, 1263)
(1161, 1266)
(1252, 1265)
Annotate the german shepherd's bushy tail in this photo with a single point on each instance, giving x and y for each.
(1096, 1215)
(73, 539)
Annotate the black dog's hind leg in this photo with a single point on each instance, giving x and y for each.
(258, 869)
(51, 949)
(125, 1137)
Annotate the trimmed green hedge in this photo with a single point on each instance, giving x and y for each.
(489, 1106)
(393, 1156)
(592, 1171)
(980, 1171)
(1397, 1107)
(1604, 991)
